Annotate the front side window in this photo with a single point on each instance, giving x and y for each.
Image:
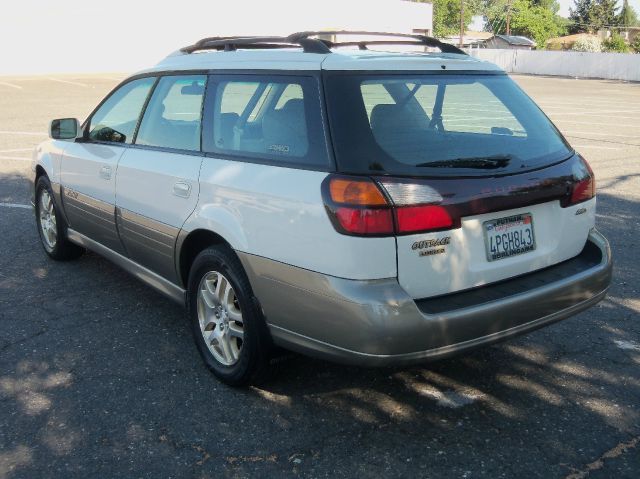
(116, 119)
(173, 116)
(273, 118)
(438, 125)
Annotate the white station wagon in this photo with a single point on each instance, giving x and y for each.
(366, 207)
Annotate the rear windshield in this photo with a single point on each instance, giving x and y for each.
(438, 124)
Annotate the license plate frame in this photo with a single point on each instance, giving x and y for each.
(518, 243)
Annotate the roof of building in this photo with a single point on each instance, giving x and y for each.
(517, 40)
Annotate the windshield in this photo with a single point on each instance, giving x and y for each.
(438, 125)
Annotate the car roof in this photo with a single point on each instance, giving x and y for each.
(295, 59)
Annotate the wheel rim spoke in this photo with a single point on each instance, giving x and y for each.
(48, 220)
(220, 318)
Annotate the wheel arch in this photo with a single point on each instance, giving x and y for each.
(190, 245)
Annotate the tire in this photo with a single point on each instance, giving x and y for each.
(214, 310)
(55, 242)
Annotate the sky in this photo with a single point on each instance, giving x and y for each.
(566, 4)
(43, 36)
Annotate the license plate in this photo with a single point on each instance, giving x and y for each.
(510, 236)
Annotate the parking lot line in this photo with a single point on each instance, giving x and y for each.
(14, 158)
(11, 85)
(28, 133)
(68, 82)
(15, 205)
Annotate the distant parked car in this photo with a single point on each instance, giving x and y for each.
(365, 207)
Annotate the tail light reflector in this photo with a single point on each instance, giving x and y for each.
(423, 218)
(365, 221)
(585, 188)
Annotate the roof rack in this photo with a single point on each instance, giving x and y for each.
(318, 45)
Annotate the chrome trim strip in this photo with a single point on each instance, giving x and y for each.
(143, 274)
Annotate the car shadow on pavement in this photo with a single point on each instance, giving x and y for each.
(99, 377)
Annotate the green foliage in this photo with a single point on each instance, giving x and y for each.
(616, 44)
(593, 15)
(628, 16)
(446, 15)
(635, 45)
(535, 19)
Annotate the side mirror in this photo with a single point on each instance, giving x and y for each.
(65, 129)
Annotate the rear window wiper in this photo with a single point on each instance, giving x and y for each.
(480, 162)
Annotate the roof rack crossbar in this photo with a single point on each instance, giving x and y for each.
(318, 45)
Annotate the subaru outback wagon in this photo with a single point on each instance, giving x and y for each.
(366, 207)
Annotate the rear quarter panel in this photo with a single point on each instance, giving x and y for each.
(278, 213)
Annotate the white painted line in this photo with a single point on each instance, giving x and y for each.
(628, 345)
(635, 137)
(15, 150)
(598, 147)
(11, 85)
(15, 205)
(28, 133)
(596, 123)
(14, 158)
(69, 82)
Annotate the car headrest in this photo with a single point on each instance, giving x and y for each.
(285, 129)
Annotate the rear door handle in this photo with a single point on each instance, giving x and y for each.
(105, 173)
(182, 189)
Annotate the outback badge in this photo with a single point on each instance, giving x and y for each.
(431, 246)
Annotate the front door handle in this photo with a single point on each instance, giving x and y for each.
(182, 189)
(105, 173)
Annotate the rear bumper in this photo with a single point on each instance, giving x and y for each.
(376, 323)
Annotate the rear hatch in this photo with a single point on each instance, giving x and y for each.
(478, 184)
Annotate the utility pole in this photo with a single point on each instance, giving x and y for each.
(461, 23)
(509, 18)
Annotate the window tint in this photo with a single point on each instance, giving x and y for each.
(118, 116)
(271, 118)
(437, 125)
(172, 118)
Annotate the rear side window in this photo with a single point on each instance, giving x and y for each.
(267, 118)
(173, 116)
(116, 119)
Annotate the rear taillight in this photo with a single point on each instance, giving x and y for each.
(360, 206)
(412, 219)
(585, 186)
(357, 206)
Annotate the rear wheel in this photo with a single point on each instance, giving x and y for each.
(226, 321)
(51, 226)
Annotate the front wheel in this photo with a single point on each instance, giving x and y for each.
(51, 227)
(226, 320)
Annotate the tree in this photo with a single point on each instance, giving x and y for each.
(579, 15)
(446, 15)
(535, 19)
(628, 16)
(593, 15)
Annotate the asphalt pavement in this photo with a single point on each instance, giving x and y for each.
(99, 376)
